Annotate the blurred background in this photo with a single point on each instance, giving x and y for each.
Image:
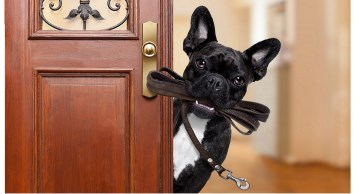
(305, 144)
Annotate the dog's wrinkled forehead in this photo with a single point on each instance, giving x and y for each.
(220, 57)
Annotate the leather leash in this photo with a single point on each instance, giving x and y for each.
(245, 113)
(206, 155)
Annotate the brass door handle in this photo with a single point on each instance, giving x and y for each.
(149, 51)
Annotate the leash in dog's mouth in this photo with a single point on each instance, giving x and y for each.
(204, 106)
(208, 110)
(246, 113)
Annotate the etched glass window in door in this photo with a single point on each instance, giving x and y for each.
(84, 14)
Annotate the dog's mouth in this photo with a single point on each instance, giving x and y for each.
(203, 90)
(203, 106)
(203, 110)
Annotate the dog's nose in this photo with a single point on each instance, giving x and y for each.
(215, 83)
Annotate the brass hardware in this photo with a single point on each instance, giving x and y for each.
(149, 50)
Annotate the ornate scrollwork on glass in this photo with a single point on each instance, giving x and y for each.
(85, 11)
(117, 5)
(51, 5)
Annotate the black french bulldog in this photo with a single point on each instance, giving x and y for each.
(222, 75)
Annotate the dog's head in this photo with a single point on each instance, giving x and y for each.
(219, 73)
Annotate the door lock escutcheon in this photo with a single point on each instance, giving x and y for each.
(149, 54)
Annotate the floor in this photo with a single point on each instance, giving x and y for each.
(269, 176)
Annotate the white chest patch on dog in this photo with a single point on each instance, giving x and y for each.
(184, 151)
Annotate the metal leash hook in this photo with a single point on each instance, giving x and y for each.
(238, 181)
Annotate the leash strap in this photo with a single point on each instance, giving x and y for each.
(241, 183)
(246, 113)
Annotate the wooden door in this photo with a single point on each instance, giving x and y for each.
(76, 120)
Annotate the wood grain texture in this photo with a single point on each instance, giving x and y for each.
(166, 102)
(18, 105)
(83, 133)
(148, 141)
(268, 175)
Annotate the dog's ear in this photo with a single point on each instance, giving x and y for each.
(261, 54)
(202, 30)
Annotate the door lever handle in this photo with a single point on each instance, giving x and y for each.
(149, 54)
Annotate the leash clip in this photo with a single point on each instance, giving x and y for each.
(238, 181)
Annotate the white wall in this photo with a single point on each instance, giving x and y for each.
(320, 81)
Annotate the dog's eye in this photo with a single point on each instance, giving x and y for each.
(238, 81)
(200, 64)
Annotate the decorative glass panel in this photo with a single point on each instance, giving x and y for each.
(84, 14)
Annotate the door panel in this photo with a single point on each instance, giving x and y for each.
(83, 127)
(76, 120)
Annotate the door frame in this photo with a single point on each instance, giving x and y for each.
(166, 60)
